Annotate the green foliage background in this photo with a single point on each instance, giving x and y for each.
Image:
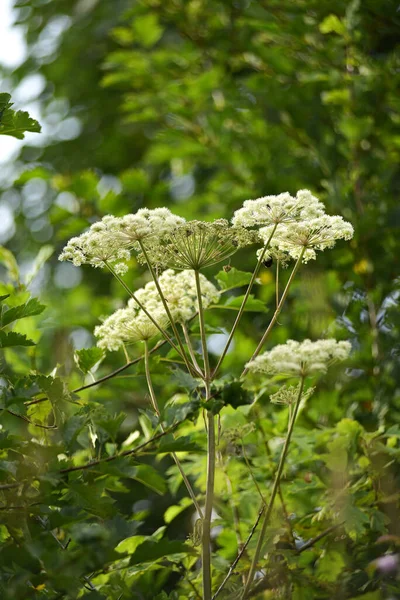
(198, 105)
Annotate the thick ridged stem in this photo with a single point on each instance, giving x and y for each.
(211, 454)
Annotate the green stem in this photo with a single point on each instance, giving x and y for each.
(190, 346)
(243, 305)
(206, 536)
(275, 488)
(190, 368)
(277, 311)
(144, 309)
(207, 372)
(157, 411)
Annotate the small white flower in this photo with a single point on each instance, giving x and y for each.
(131, 324)
(300, 358)
(111, 239)
(284, 208)
(310, 235)
(128, 325)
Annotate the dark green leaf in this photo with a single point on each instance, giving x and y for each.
(14, 339)
(31, 308)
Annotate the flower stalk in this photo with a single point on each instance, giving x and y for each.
(275, 489)
(156, 409)
(277, 311)
(246, 297)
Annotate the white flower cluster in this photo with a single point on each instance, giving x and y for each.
(128, 325)
(300, 358)
(308, 236)
(111, 239)
(131, 324)
(302, 227)
(283, 208)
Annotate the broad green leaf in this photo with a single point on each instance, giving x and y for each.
(130, 544)
(87, 358)
(181, 444)
(147, 30)
(31, 308)
(330, 565)
(332, 24)
(14, 339)
(173, 511)
(355, 521)
(228, 280)
(15, 123)
(235, 302)
(151, 478)
(152, 550)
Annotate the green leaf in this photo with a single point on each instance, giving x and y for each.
(15, 123)
(330, 565)
(2, 298)
(181, 444)
(332, 24)
(176, 509)
(14, 339)
(235, 302)
(8, 260)
(152, 550)
(87, 358)
(31, 308)
(232, 279)
(147, 30)
(151, 478)
(355, 521)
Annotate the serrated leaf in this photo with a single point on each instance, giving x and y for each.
(87, 358)
(11, 338)
(235, 302)
(232, 279)
(29, 309)
(181, 444)
(15, 123)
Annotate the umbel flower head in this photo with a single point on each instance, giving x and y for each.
(128, 325)
(284, 208)
(179, 290)
(111, 239)
(300, 358)
(131, 324)
(198, 244)
(308, 236)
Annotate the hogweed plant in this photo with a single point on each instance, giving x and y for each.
(282, 228)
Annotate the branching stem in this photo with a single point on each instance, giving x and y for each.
(243, 305)
(277, 311)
